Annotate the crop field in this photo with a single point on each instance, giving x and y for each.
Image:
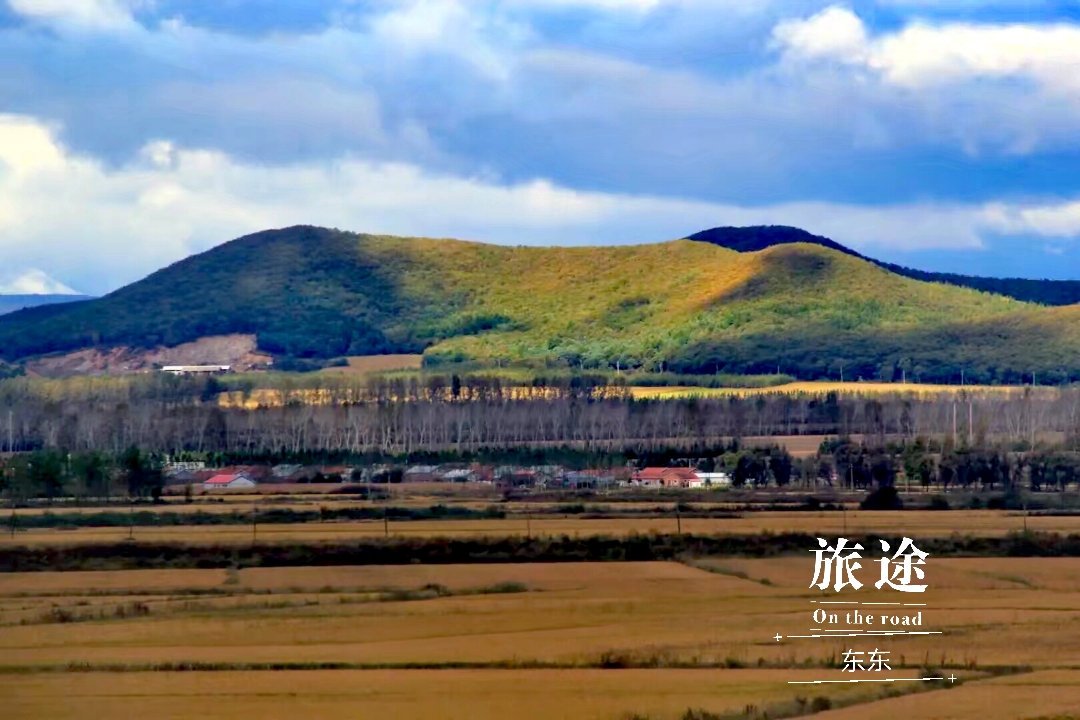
(574, 640)
(982, 523)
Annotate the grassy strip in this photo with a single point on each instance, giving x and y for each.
(275, 516)
(137, 609)
(801, 706)
(514, 549)
(720, 570)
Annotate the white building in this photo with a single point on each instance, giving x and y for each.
(711, 480)
(196, 369)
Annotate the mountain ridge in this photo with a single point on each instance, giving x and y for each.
(760, 237)
(309, 293)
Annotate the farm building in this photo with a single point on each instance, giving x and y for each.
(669, 477)
(422, 473)
(587, 479)
(711, 480)
(196, 369)
(229, 482)
(461, 475)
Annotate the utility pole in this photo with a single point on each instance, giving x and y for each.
(971, 436)
(10, 472)
(678, 519)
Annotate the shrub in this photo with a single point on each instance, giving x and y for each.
(884, 498)
(939, 502)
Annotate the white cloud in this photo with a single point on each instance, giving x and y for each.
(1049, 220)
(609, 5)
(835, 33)
(921, 54)
(98, 14)
(456, 28)
(34, 282)
(98, 227)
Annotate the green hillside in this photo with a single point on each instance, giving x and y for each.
(687, 306)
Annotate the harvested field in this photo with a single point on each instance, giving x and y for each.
(983, 523)
(393, 695)
(1049, 695)
(685, 636)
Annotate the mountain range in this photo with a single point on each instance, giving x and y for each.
(731, 300)
(11, 303)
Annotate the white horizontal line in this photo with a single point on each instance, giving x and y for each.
(839, 633)
(852, 602)
(840, 630)
(819, 682)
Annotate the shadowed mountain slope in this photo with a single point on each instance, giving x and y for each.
(753, 239)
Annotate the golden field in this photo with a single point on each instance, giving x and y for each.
(820, 388)
(692, 622)
(914, 523)
(394, 695)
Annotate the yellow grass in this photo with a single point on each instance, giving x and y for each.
(913, 523)
(843, 388)
(272, 397)
(993, 611)
(391, 695)
(1050, 695)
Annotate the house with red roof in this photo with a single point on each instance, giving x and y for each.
(668, 477)
(229, 481)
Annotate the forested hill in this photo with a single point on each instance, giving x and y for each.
(756, 238)
(806, 309)
(11, 303)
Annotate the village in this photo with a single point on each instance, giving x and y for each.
(195, 475)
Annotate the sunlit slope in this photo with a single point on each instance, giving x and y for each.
(651, 304)
(682, 305)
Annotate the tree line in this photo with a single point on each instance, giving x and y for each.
(474, 416)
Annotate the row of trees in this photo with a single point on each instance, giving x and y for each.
(54, 473)
(469, 414)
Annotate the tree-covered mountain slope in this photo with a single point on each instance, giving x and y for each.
(684, 305)
(755, 238)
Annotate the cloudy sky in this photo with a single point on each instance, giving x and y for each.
(941, 134)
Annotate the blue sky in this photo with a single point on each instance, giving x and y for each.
(935, 133)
